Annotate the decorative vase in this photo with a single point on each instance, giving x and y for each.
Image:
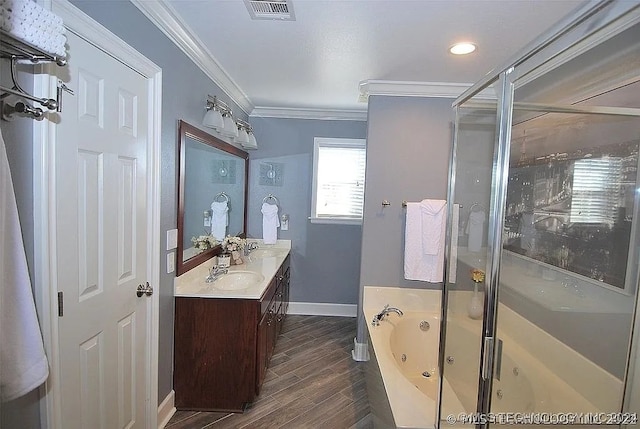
(474, 309)
(224, 260)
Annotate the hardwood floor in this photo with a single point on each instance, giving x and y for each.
(312, 382)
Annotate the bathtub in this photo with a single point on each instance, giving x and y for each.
(402, 374)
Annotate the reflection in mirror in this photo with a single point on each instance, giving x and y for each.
(212, 195)
(570, 199)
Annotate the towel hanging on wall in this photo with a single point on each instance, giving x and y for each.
(23, 363)
(219, 219)
(270, 223)
(424, 241)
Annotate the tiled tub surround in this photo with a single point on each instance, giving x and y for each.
(224, 339)
(531, 362)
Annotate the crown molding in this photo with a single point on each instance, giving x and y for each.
(306, 113)
(418, 89)
(164, 16)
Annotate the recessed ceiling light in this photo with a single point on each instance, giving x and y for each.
(462, 48)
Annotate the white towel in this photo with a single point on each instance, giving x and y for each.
(270, 223)
(475, 229)
(23, 363)
(417, 264)
(219, 219)
(433, 215)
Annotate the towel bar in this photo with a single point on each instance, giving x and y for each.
(404, 204)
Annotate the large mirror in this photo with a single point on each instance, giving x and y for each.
(212, 193)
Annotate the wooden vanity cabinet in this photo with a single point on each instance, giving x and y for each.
(272, 321)
(223, 346)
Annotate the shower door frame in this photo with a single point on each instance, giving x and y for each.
(612, 13)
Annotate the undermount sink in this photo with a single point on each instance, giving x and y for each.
(266, 253)
(237, 280)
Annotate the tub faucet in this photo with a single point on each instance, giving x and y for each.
(386, 310)
(215, 273)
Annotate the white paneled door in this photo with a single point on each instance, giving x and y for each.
(101, 242)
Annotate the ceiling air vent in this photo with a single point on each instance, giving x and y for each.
(270, 9)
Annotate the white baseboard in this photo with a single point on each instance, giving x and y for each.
(322, 309)
(166, 410)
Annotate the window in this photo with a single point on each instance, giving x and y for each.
(338, 180)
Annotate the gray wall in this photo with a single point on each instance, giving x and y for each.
(184, 88)
(325, 258)
(408, 148)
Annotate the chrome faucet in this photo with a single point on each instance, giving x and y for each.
(215, 273)
(250, 247)
(386, 310)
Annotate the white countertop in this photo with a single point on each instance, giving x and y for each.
(192, 283)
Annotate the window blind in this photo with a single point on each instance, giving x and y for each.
(340, 181)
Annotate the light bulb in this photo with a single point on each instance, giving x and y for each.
(462, 48)
(230, 128)
(213, 119)
(243, 137)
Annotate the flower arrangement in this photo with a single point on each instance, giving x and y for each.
(204, 242)
(477, 275)
(234, 245)
(475, 308)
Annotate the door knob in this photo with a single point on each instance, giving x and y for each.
(144, 290)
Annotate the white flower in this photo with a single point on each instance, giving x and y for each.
(233, 244)
(204, 242)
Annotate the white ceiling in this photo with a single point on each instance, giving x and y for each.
(318, 60)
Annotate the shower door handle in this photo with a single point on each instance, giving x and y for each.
(487, 358)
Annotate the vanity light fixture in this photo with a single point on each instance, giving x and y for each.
(252, 142)
(243, 136)
(230, 128)
(462, 48)
(213, 117)
(246, 138)
(220, 117)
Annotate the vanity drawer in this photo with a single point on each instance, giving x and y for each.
(268, 296)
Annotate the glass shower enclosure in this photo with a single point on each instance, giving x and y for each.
(543, 241)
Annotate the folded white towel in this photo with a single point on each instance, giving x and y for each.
(31, 23)
(417, 264)
(23, 363)
(270, 223)
(219, 219)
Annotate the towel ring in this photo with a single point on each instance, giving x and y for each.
(221, 194)
(270, 197)
(474, 205)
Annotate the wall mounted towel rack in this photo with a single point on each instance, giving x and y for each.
(14, 49)
(404, 204)
(270, 197)
(221, 195)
